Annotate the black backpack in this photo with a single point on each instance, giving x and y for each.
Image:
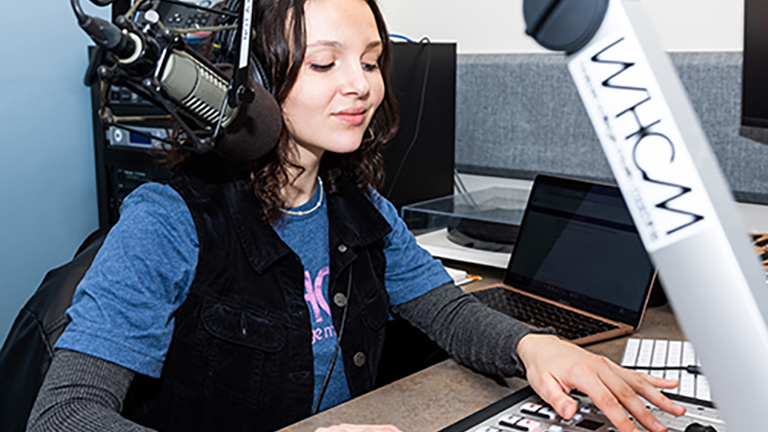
(28, 349)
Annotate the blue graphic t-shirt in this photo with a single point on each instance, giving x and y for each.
(307, 236)
(123, 309)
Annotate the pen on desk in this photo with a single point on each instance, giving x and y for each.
(468, 279)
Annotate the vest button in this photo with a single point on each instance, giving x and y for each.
(340, 300)
(359, 359)
(342, 248)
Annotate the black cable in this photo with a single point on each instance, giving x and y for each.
(336, 349)
(418, 118)
(458, 183)
(226, 39)
(202, 8)
(691, 369)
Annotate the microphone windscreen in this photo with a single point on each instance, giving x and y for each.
(255, 130)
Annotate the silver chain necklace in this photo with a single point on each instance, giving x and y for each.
(317, 206)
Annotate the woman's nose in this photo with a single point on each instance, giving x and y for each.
(356, 81)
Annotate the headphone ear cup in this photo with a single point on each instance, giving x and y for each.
(259, 73)
(564, 25)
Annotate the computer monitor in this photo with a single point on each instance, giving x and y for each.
(754, 95)
(419, 160)
(418, 164)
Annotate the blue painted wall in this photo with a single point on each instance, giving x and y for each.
(47, 177)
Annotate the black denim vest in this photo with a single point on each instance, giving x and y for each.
(241, 354)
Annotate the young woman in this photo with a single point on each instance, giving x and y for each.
(246, 298)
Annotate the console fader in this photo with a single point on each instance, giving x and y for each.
(524, 411)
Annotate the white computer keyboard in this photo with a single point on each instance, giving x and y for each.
(659, 353)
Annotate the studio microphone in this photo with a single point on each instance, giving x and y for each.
(182, 78)
(251, 129)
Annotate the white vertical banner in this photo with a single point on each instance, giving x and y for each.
(245, 35)
(681, 205)
(639, 135)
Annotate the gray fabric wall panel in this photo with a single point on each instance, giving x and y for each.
(519, 114)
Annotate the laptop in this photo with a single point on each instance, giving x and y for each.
(578, 264)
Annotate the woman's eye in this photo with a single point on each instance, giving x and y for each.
(321, 67)
(370, 66)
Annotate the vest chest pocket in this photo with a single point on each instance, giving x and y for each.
(239, 352)
(243, 327)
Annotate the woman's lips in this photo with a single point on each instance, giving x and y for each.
(353, 116)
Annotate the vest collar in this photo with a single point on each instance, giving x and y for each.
(260, 242)
(353, 218)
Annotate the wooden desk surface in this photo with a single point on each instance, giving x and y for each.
(443, 394)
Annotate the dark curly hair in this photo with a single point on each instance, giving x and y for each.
(284, 55)
(269, 174)
(273, 47)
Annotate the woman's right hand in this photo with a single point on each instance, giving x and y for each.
(555, 367)
(359, 428)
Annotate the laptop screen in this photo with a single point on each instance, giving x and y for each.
(579, 246)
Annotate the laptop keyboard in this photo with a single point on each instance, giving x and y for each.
(568, 324)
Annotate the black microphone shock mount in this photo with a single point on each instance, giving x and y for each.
(138, 52)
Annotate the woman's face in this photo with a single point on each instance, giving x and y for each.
(339, 85)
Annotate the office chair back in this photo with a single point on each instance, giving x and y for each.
(28, 349)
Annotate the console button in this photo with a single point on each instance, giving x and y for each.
(519, 423)
(487, 429)
(538, 411)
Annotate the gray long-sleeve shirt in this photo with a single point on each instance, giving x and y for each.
(85, 393)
